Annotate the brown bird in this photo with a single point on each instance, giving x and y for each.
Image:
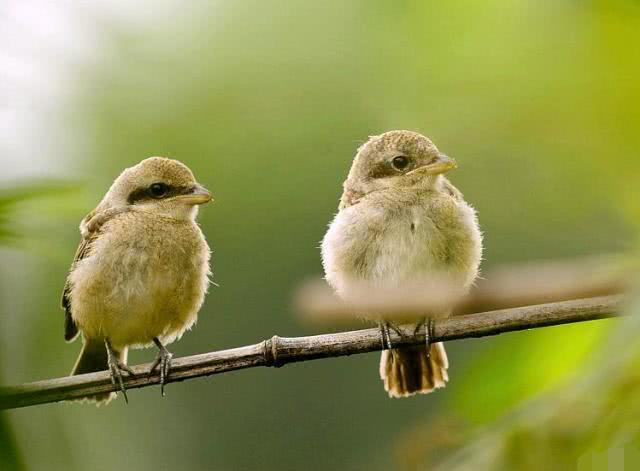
(141, 271)
(399, 221)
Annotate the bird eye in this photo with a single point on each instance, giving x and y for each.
(400, 162)
(158, 190)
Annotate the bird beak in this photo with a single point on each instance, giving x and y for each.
(197, 195)
(442, 164)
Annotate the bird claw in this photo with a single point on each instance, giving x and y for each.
(386, 336)
(116, 367)
(162, 363)
(427, 323)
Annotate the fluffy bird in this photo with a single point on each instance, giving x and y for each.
(401, 220)
(141, 271)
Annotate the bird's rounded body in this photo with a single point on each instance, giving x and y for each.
(402, 235)
(141, 271)
(145, 276)
(401, 223)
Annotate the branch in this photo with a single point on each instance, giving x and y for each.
(279, 351)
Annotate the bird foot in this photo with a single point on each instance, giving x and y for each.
(116, 368)
(427, 324)
(385, 336)
(162, 363)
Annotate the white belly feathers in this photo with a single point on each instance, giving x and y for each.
(362, 245)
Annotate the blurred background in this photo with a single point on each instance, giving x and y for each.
(267, 102)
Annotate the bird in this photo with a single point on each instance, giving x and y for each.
(400, 220)
(141, 271)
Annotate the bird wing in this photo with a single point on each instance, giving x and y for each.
(90, 229)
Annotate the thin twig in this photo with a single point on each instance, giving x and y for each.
(279, 351)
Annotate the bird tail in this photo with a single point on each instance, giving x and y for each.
(93, 357)
(408, 371)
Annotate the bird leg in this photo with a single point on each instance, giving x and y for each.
(162, 363)
(116, 367)
(386, 336)
(427, 323)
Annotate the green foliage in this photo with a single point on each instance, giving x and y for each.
(593, 414)
(14, 200)
(516, 367)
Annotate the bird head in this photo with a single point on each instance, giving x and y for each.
(397, 159)
(160, 185)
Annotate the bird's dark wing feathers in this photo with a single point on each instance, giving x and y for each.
(70, 328)
(92, 224)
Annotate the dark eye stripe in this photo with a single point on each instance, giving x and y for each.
(386, 168)
(142, 195)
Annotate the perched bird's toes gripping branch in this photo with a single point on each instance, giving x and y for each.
(279, 351)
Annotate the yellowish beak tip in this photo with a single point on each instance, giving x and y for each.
(442, 165)
(199, 195)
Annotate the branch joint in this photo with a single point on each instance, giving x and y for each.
(270, 352)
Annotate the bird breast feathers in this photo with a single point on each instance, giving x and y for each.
(136, 268)
(376, 241)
